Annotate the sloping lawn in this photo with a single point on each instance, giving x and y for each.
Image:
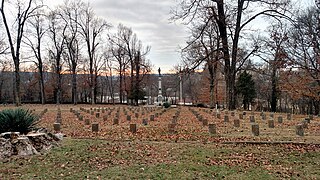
(101, 159)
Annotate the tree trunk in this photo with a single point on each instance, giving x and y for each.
(234, 54)
(41, 84)
(212, 72)
(120, 87)
(225, 47)
(92, 88)
(137, 83)
(59, 82)
(74, 87)
(316, 107)
(17, 84)
(274, 90)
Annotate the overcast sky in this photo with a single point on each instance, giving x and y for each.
(149, 19)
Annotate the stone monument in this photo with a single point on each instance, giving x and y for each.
(160, 98)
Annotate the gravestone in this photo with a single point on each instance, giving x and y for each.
(95, 127)
(87, 121)
(151, 117)
(226, 118)
(271, 123)
(255, 129)
(115, 121)
(133, 128)
(97, 115)
(205, 122)
(280, 119)
(212, 129)
(57, 127)
(59, 120)
(252, 120)
(218, 115)
(300, 130)
(289, 116)
(128, 118)
(272, 115)
(145, 121)
(305, 124)
(236, 123)
(171, 128)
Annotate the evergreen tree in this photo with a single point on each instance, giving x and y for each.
(246, 87)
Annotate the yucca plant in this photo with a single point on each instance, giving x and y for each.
(17, 120)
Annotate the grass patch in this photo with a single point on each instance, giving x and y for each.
(92, 159)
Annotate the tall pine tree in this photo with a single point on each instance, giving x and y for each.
(246, 87)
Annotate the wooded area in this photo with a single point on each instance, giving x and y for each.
(68, 55)
(283, 59)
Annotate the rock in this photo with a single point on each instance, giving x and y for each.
(42, 130)
(6, 149)
(41, 141)
(10, 135)
(57, 136)
(23, 147)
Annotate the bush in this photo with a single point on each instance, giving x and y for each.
(17, 120)
(166, 105)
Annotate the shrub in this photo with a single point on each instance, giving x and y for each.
(17, 120)
(166, 105)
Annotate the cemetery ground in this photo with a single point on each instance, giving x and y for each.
(123, 142)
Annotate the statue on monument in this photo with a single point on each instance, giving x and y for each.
(159, 70)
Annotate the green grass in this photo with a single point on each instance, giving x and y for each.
(94, 159)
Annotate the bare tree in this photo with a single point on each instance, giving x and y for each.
(128, 51)
(304, 52)
(15, 36)
(3, 47)
(204, 47)
(70, 14)
(57, 30)
(231, 25)
(119, 53)
(273, 52)
(91, 28)
(34, 39)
